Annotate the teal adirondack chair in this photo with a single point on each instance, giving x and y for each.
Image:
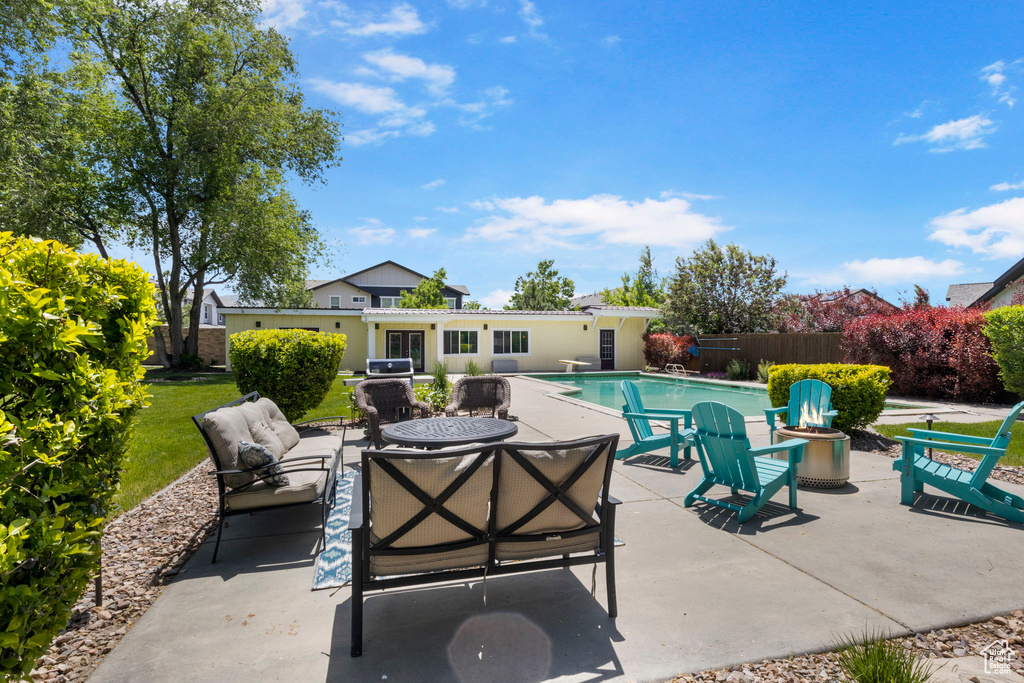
(728, 460)
(916, 469)
(644, 439)
(808, 396)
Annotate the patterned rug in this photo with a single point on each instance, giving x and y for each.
(334, 565)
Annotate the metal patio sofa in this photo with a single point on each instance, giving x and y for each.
(422, 517)
(310, 459)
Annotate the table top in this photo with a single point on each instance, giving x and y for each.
(439, 432)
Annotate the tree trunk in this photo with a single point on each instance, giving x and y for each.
(194, 316)
(161, 347)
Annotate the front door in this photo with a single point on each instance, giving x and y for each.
(406, 344)
(607, 349)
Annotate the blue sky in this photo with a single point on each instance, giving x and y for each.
(873, 144)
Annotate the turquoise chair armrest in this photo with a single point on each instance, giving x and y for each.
(669, 411)
(949, 436)
(954, 447)
(832, 413)
(775, 411)
(786, 445)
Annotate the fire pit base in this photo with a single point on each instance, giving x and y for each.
(826, 461)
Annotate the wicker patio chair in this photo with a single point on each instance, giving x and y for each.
(384, 401)
(488, 392)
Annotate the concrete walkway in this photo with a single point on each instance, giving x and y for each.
(695, 590)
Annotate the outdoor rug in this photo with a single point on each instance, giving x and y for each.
(334, 565)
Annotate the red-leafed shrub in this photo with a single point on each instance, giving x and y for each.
(933, 352)
(662, 348)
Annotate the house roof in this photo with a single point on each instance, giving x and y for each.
(966, 294)
(594, 299)
(1015, 272)
(317, 284)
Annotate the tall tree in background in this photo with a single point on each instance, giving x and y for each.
(644, 288)
(542, 290)
(429, 293)
(719, 290)
(172, 131)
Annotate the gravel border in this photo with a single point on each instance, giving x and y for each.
(143, 550)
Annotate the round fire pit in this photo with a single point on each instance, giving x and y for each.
(826, 461)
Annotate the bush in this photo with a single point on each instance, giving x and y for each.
(72, 340)
(293, 368)
(663, 348)
(438, 393)
(1004, 328)
(762, 370)
(933, 352)
(473, 370)
(858, 391)
(874, 659)
(191, 362)
(738, 369)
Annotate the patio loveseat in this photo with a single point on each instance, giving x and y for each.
(309, 458)
(421, 517)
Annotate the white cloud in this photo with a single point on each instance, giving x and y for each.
(687, 195)
(448, 209)
(437, 77)
(433, 184)
(420, 233)
(995, 75)
(372, 233)
(420, 218)
(496, 299)
(877, 272)
(531, 17)
(401, 20)
(611, 41)
(960, 134)
(369, 136)
(396, 118)
(474, 112)
(996, 230)
(536, 223)
(508, 39)
(1003, 187)
(283, 14)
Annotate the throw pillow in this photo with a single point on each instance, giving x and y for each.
(256, 455)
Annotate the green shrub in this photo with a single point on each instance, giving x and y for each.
(473, 370)
(762, 370)
(191, 362)
(873, 659)
(72, 341)
(738, 369)
(438, 393)
(858, 391)
(293, 368)
(1004, 328)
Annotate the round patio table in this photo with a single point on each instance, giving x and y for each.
(440, 432)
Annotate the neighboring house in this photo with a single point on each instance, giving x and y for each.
(993, 294)
(595, 299)
(859, 296)
(378, 286)
(536, 340)
(209, 312)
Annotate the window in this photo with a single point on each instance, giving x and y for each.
(461, 342)
(390, 301)
(511, 342)
(359, 299)
(207, 313)
(335, 302)
(450, 301)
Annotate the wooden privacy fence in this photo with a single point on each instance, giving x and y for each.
(809, 347)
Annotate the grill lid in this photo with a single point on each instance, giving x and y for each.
(389, 366)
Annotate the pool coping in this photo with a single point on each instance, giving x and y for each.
(561, 390)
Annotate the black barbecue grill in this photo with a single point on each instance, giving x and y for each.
(389, 368)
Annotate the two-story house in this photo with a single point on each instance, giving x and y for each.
(378, 286)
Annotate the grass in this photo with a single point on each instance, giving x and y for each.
(1014, 453)
(166, 443)
(873, 659)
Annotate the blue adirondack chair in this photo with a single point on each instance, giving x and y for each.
(728, 460)
(806, 397)
(644, 439)
(916, 469)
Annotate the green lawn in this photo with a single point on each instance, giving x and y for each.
(1014, 454)
(166, 443)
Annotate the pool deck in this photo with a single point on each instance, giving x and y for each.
(696, 591)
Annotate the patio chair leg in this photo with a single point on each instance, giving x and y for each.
(357, 593)
(750, 509)
(220, 530)
(908, 484)
(609, 565)
(674, 453)
(699, 490)
(792, 493)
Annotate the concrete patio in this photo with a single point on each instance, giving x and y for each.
(695, 590)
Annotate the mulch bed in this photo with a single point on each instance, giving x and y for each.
(143, 549)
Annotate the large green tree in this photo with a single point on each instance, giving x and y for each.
(644, 288)
(429, 293)
(187, 118)
(542, 290)
(726, 289)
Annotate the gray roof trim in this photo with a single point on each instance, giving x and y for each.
(1015, 272)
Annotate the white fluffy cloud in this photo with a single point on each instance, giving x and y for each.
(878, 272)
(536, 223)
(396, 118)
(373, 232)
(967, 133)
(1004, 187)
(995, 230)
(496, 299)
(283, 14)
(420, 233)
(403, 19)
(433, 184)
(438, 78)
(531, 17)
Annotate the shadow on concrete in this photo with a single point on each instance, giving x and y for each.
(844, 490)
(533, 627)
(954, 508)
(661, 463)
(772, 516)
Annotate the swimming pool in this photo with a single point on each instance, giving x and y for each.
(667, 392)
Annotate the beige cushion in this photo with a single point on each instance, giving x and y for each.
(260, 429)
(288, 435)
(396, 506)
(519, 493)
(226, 427)
(303, 487)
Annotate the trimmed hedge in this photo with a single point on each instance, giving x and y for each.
(293, 368)
(858, 391)
(1004, 328)
(72, 341)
